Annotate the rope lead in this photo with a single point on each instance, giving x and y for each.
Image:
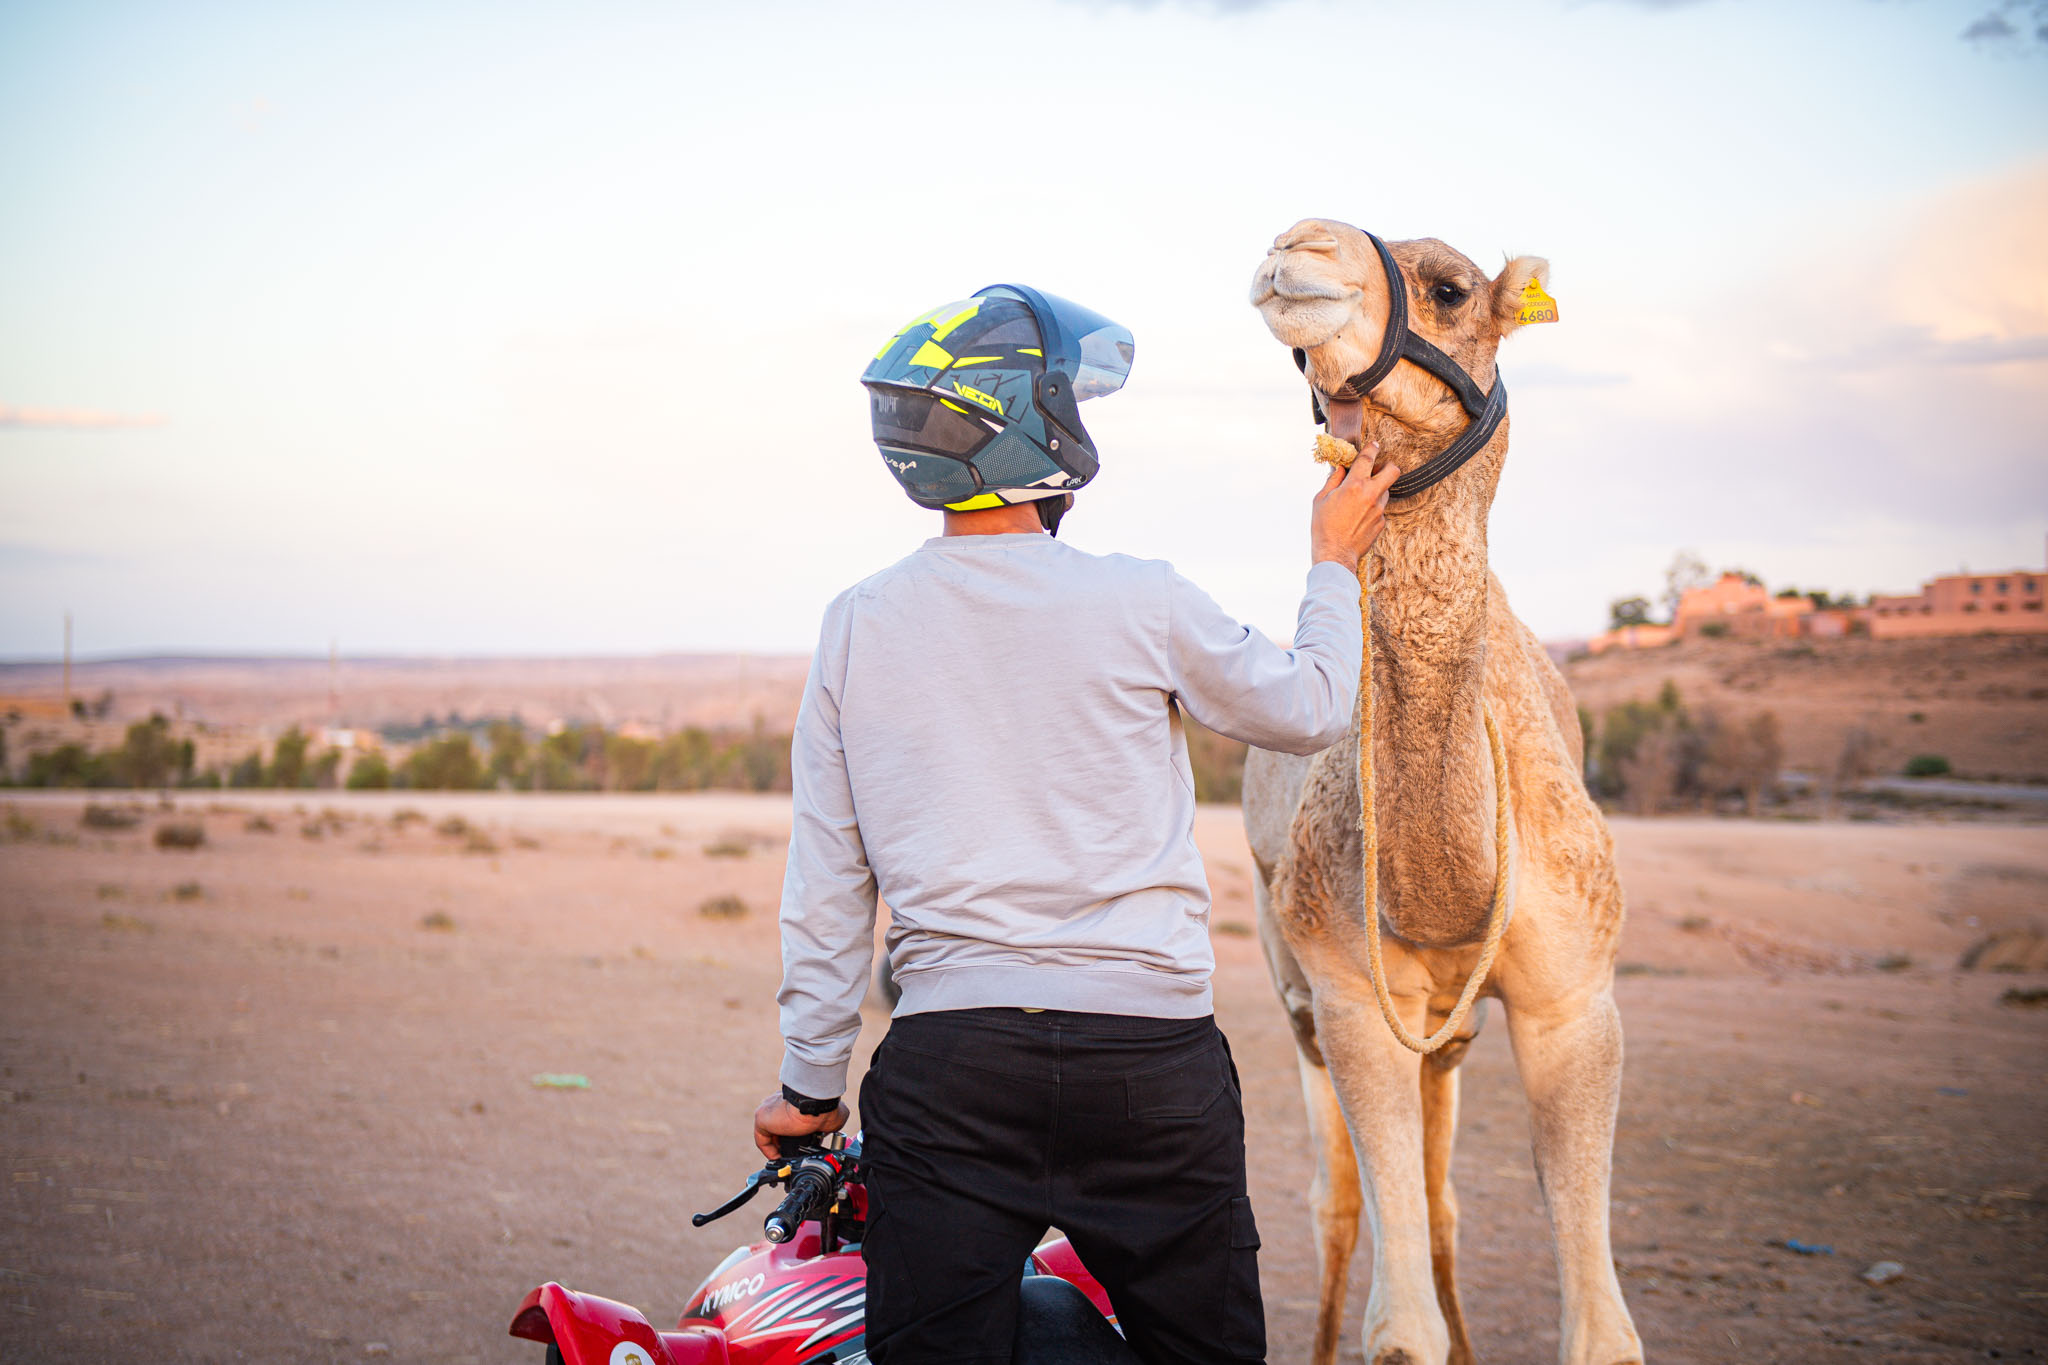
(1330, 450)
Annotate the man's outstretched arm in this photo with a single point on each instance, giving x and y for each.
(828, 912)
(1297, 700)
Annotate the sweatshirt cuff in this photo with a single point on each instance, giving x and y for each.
(808, 1078)
(1328, 575)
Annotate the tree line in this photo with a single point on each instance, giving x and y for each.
(504, 755)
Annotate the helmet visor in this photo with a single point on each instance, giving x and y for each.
(1095, 350)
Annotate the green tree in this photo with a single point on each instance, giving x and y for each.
(764, 760)
(149, 757)
(369, 773)
(288, 759)
(628, 763)
(1628, 611)
(446, 764)
(510, 755)
(249, 772)
(1687, 571)
(682, 762)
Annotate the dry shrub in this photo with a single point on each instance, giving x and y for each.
(109, 817)
(126, 923)
(723, 907)
(438, 922)
(181, 834)
(406, 815)
(259, 824)
(479, 842)
(1743, 758)
(187, 891)
(454, 827)
(728, 846)
(1650, 775)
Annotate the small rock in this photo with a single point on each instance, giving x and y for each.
(2012, 950)
(1884, 1272)
(376, 1348)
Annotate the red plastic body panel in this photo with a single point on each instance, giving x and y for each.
(588, 1330)
(781, 1304)
(773, 1305)
(1058, 1257)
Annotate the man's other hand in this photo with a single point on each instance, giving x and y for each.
(1350, 510)
(777, 1118)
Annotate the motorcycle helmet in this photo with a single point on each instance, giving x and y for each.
(977, 402)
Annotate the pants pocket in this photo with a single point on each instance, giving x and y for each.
(1183, 1090)
(1244, 1311)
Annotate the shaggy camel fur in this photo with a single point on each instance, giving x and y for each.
(1445, 646)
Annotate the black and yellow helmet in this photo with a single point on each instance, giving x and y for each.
(977, 403)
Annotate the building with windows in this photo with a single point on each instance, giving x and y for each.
(1965, 604)
(1737, 606)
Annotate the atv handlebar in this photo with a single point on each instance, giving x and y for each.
(812, 1173)
(810, 1191)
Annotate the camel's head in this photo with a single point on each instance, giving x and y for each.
(1323, 290)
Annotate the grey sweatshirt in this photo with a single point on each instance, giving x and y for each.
(989, 740)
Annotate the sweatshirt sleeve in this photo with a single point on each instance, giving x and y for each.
(828, 890)
(1238, 683)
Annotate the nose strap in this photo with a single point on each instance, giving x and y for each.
(1398, 343)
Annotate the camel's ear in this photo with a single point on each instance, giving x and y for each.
(1521, 294)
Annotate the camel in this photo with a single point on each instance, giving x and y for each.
(1447, 651)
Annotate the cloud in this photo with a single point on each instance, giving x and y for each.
(2010, 25)
(72, 419)
(1203, 6)
(1918, 345)
(1560, 377)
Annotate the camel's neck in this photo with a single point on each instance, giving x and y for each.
(1434, 770)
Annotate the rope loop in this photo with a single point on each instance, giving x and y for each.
(1330, 450)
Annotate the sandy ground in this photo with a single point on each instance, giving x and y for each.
(278, 1117)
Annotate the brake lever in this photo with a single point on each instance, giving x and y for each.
(748, 1191)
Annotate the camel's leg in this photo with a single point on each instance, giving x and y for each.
(1570, 1062)
(1376, 1083)
(1334, 1200)
(1439, 1134)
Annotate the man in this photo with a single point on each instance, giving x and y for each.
(991, 741)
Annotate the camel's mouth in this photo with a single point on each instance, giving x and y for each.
(1302, 304)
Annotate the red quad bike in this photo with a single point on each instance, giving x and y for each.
(799, 1297)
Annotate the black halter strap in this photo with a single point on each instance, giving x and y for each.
(1484, 410)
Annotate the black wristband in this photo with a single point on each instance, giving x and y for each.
(808, 1107)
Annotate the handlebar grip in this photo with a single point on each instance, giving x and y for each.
(809, 1189)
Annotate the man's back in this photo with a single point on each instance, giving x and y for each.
(991, 741)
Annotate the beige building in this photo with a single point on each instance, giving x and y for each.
(1965, 604)
(1954, 604)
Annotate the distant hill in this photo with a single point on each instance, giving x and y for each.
(1980, 701)
(662, 691)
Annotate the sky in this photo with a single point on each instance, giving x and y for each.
(536, 328)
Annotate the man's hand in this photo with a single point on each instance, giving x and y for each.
(1350, 510)
(777, 1118)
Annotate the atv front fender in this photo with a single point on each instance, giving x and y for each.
(588, 1330)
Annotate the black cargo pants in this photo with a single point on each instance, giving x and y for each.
(985, 1127)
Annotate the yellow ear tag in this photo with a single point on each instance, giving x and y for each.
(1537, 306)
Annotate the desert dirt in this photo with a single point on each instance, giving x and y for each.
(287, 1112)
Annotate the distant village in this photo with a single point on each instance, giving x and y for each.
(1738, 605)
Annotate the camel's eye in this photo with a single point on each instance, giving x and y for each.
(1450, 295)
